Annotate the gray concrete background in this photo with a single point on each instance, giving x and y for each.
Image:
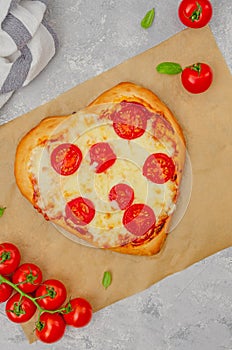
(190, 310)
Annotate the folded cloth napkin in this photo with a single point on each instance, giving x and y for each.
(27, 43)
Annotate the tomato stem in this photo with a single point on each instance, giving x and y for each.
(68, 308)
(51, 292)
(22, 294)
(42, 296)
(196, 67)
(4, 257)
(39, 325)
(196, 13)
(17, 309)
(30, 278)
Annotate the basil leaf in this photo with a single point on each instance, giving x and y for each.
(2, 211)
(169, 68)
(107, 278)
(148, 19)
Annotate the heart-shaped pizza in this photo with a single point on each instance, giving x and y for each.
(109, 174)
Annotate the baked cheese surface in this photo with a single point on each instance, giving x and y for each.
(86, 129)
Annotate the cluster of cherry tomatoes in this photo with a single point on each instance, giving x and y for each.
(32, 293)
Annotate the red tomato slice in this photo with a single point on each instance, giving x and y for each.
(80, 210)
(9, 258)
(50, 327)
(195, 13)
(138, 219)
(159, 168)
(19, 309)
(27, 277)
(102, 156)
(122, 194)
(5, 291)
(130, 121)
(66, 159)
(51, 294)
(197, 78)
(161, 127)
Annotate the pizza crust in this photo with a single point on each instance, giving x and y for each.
(23, 152)
(125, 91)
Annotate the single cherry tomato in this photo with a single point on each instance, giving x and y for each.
(102, 156)
(20, 309)
(27, 277)
(195, 13)
(130, 121)
(197, 78)
(80, 210)
(138, 219)
(51, 294)
(79, 312)
(66, 159)
(122, 194)
(50, 328)
(9, 258)
(159, 168)
(5, 291)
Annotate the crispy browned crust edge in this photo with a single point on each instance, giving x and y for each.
(23, 152)
(123, 91)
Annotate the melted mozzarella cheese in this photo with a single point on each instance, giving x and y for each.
(84, 130)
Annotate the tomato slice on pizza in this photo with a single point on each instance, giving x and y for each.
(130, 121)
(66, 159)
(159, 168)
(123, 194)
(102, 156)
(139, 218)
(80, 210)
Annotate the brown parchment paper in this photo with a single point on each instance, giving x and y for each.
(207, 225)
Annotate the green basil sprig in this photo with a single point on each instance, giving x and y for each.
(148, 19)
(2, 211)
(169, 68)
(107, 279)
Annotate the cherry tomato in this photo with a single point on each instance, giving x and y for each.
(56, 294)
(195, 13)
(80, 210)
(102, 156)
(19, 309)
(122, 194)
(9, 258)
(28, 277)
(197, 78)
(138, 219)
(130, 121)
(5, 292)
(79, 312)
(159, 168)
(66, 159)
(50, 328)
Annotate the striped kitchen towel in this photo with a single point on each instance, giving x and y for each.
(27, 43)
